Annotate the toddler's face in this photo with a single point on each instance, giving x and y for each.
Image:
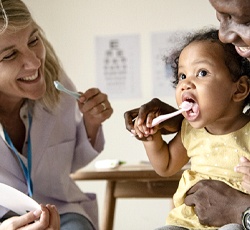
(205, 80)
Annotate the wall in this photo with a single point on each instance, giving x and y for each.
(71, 26)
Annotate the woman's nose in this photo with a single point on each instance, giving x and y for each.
(31, 60)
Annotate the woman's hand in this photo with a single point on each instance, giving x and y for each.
(216, 203)
(96, 108)
(244, 168)
(45, 219)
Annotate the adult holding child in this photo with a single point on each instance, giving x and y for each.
(45, 134)
(216, 204)
(212, 140)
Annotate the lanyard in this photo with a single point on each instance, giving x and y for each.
(26, 170)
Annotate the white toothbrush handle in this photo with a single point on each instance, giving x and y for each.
(74, 94)
(164, 117)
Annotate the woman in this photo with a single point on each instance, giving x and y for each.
(45, 134)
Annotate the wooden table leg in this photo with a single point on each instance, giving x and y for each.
(109, 206)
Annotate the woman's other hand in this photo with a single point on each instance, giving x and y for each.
(45, 219)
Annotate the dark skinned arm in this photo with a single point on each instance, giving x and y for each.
(216, 203)
(150, 110)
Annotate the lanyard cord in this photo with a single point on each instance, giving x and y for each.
(26, 170)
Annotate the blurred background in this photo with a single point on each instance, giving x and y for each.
(82, 32)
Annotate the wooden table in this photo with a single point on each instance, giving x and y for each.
(129, 181)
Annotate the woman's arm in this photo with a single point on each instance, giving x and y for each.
(96, 108)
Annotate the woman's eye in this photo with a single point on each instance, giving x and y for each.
(202, 73)
(33, 41)
(9, 56)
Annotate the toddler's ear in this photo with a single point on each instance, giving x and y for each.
(243, 89)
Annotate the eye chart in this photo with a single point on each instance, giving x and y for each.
(118, 66)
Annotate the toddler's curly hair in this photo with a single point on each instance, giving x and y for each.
(237, 65)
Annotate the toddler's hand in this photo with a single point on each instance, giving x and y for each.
(244, 168)
(142, 130)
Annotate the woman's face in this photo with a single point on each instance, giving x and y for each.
(22, 57)
(234, 17)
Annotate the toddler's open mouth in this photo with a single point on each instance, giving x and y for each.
(193, 113)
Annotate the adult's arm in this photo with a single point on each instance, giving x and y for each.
(96, 109)
(93, 104)
(150, 110)
(216, 203)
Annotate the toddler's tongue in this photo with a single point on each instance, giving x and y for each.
(194, 111)
(195, 108)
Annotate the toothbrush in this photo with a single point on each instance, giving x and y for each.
(60, 87)
(185, 106)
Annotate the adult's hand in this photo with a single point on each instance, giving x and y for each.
(45, 219)
(216, 203)
(96, 108)
(147, 112)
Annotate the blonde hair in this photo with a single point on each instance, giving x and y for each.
(14, 16)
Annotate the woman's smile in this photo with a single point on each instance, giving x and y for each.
(29, 78)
